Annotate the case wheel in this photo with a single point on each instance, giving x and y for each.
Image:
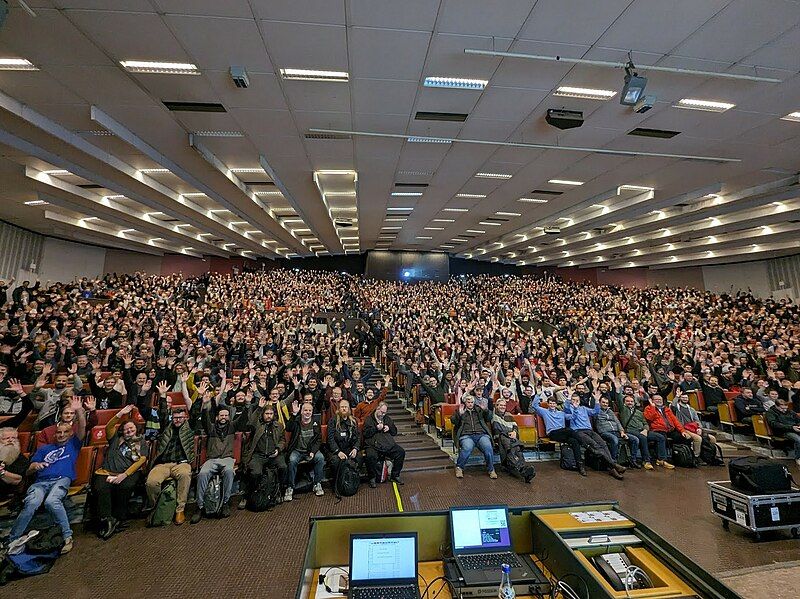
(726, 525)
(796, 532)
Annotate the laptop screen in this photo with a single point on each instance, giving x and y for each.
(480, 529)
(384, 558)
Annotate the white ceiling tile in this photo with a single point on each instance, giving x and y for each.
(213, 8)
(263, 92)
(105, 86)
(32, 87)
(307, 11)
(447, 59)
(383, 96)
(462, 101)
(108, 5)
(306, 46)
(280, 146)
(322, 120)
(587, 21)
(409, 14)
(318, 95)
(378, 147)
(535, 74)
(263, 123)
(507, 103)
(782, 54)
(488, 129)
(484, 17)
(387, 53)
(381, 123)
(220, 43)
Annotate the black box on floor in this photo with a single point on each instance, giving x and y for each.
(756, 513)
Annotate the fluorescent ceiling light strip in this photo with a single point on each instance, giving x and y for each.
(37, 203)
(455, 209)
(564, 182)
(433, 228)
(512, 144)
(57, 173)
(398, 209)
(447, 246)
(493, 175)
(586, 93)
(160, 68)
(707, 105)
(17, 64)
(533, 200)
(455, 83)
(423, 237)
(471, 195)
(478, 231)
(406, 194)
(268, 193)
(415, 139)
(218, 133)
(314, 75)
(792, 116)
(626, 187)
(396, 220)
(443, 220)
(508, 214)
(487, 223)
(458, 240)
(153, 171)
(246, 170)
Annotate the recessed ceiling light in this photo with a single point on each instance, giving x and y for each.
(396, 220)
(423, 237)
(160, 68)
(471, 195)
(299, 230)
(455, 83)
(486, 223)
(57, 172)
(242, 222)
(246, 170)
(508, 214)
(458, 240)
(406, 194)
(268, 193)
(37, 203)
(391, 228)
(587, 93)
(123, 231)
(218, 133)
(707, 105)
(792, 116)
(455, 209)
(564, 182)
(292, 220)
(532, 200)
(16, 64)
(314, 75)
(493, 175)
(443, 220)
(428, 140)
(446, 246)
(433, 228)
(622, 188)
(399, 209)
(478, 231)
(153, 171)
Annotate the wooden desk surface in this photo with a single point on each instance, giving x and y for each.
(564, 522)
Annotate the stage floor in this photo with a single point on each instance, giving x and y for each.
(259, 555)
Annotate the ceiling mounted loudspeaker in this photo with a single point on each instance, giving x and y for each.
(564, 119)
(239, 76)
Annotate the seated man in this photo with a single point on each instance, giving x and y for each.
(304, 444)
(663, 425)
(555, 426)
(581, 425)
(784, 422)
(344, 438)
(175, 452)
(365, 408)
(106, 393)
(121, 471)
(13, 465)
(506, 431)
(472, 426)
(747, 405)
(379, 432)
(610, 428)
(54, 466)
(266, 446)
(690, 420)
(635, 426)
(220, 437)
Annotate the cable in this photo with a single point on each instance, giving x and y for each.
(630, 578)
(325, 578)
(446, 583)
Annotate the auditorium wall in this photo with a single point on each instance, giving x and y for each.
(64, 260)
(743, 276)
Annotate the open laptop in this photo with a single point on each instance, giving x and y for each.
(383, 566)
(481, 541)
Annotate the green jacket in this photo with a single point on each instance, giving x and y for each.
(632, 420)
(185, 433)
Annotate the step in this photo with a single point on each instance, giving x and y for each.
(417, 447)
(433, 454)
(423, 465)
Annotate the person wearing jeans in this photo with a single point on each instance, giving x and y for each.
(555, 426)
(635, 425)
(472, 426)
(783, 421)
(304, 445)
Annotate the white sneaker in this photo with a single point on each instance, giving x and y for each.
(67, 545)
(288, 495)
(318, 490)
(17, 545)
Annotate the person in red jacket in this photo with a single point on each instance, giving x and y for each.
(663, 423)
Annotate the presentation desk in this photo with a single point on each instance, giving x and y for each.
(558, 541)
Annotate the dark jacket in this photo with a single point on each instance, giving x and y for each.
(747, 407)
(781, 423)
(293, 428)
(258, 428)
(484, 418)
(220, 443)
(185, 433)
(343, 435)
(379, 440)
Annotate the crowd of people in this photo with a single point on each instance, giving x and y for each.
(608, 370)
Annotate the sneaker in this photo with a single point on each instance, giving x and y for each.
(619, 468)
(288, 495)
(67, 545)
(196, 517)
(242, 503)
(616, 474)
(665, 464)
(17, 545)
(459, 472)
(636, 465)
(582, 470)
(396, 480)
(318, 490)
(372, 483)
(493, 474)
(648, 466)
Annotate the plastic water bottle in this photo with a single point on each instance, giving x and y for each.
(506, 590)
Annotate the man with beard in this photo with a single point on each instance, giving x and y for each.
(48, 401)
(13, 464)
(267, 443)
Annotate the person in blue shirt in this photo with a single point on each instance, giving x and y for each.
(54, 466)
(581, 425)
(555, 424)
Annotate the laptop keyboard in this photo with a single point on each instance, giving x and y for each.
(393, 592)
(488, 561)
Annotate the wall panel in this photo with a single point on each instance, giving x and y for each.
(18, 249)
(731, 278)
(784, 273)
(64, 260)
(127, 262)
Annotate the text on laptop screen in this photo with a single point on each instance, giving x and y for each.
(392, 558)
(480, 528)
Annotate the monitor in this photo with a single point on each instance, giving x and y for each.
(480, 529)
(383, 558)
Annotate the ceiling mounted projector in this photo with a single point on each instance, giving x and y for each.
(633, 88)
(644, 104)
(564, 119)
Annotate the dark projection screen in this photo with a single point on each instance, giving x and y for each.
(408, 266)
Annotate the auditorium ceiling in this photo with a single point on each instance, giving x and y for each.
(337, 146)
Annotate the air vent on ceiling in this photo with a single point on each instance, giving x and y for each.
(458, 117)
(195, 106)
(217, 240)
(410, 184)
(547, 192)
(258, 182)
(329, 136)
(90, 186)
(343, 222)
(660, 133)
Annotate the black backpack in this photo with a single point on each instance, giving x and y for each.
(518, 466)
(595, 461)
(757, 475)
(568, 461)
(348, 479)
(212, 501)
(682, 456)
(266, 492)
(711, 453)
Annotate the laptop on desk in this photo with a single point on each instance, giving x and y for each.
(481, 541)
(383, 566)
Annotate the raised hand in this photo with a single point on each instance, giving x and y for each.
(90, 403)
